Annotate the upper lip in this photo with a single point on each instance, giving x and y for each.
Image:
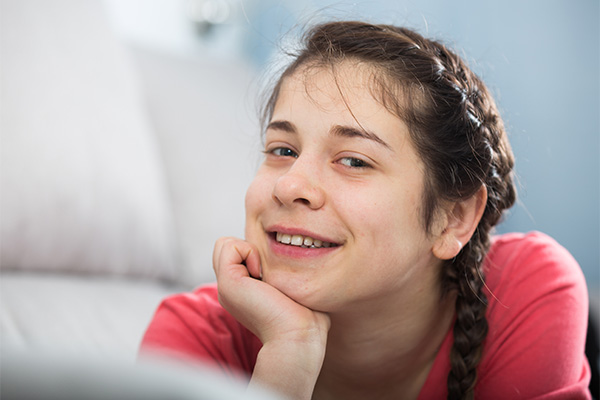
(300, 231)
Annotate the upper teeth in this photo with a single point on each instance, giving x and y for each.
(299, 240)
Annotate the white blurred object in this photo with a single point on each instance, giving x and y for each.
(54, 376)
(204, 117)
(212, 28)
(209, 12)
(83, 188)
(78, 316)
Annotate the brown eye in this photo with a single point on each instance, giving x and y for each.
(353, 162)
(284, 152)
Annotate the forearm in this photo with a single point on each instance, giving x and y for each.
(289, 369)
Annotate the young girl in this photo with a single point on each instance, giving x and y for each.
(368, 270)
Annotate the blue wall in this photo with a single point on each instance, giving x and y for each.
(541, 59)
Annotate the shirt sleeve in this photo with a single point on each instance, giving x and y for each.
(537, 315)
(195, 327)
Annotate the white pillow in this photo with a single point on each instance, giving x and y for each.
(81, 180)
(205, 117)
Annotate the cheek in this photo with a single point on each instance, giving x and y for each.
(257, 198)
(251, 197)
(388, 220)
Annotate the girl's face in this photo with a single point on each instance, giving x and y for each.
(334, 208)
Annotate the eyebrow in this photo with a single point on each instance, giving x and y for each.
(336, 130)
(284, 126)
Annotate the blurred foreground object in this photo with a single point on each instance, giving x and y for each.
(54, 377)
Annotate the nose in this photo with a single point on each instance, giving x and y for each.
(300, 185)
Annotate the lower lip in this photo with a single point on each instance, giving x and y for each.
(287, 250)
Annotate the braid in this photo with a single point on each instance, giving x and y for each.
(464, 274)
(467, 109)
(470, 330)
(456, 129)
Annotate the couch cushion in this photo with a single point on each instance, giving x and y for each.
(205, 119)
(82, 184)
(76, 315)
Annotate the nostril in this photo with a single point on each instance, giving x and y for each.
(295, 188)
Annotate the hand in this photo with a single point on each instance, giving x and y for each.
(260, 307)
(294, 337)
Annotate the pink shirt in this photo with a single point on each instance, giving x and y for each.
(537, 316)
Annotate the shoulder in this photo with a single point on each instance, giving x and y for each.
(532, 261)
(195, 326)
(522, 266)
(532, 249)
(537, 318)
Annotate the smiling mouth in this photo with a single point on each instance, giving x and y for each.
(302, 241)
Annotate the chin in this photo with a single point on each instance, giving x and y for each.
(297, 288)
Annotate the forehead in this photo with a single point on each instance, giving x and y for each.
(348, 87)
(342, 82)
(348, 92)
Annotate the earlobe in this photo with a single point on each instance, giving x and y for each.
(461, 221)
(446, 246)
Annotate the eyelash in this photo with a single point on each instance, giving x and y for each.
(352, 160)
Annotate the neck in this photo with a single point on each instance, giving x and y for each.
(391, 349)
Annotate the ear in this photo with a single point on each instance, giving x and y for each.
(462, 217)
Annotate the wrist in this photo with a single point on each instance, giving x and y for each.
(305, 332)
(303, 351)
(289, 367)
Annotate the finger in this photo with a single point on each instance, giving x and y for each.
(239, 257)
(220, 244)
(217, 254)
(253, 263)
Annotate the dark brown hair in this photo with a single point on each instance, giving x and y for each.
(456, 128)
